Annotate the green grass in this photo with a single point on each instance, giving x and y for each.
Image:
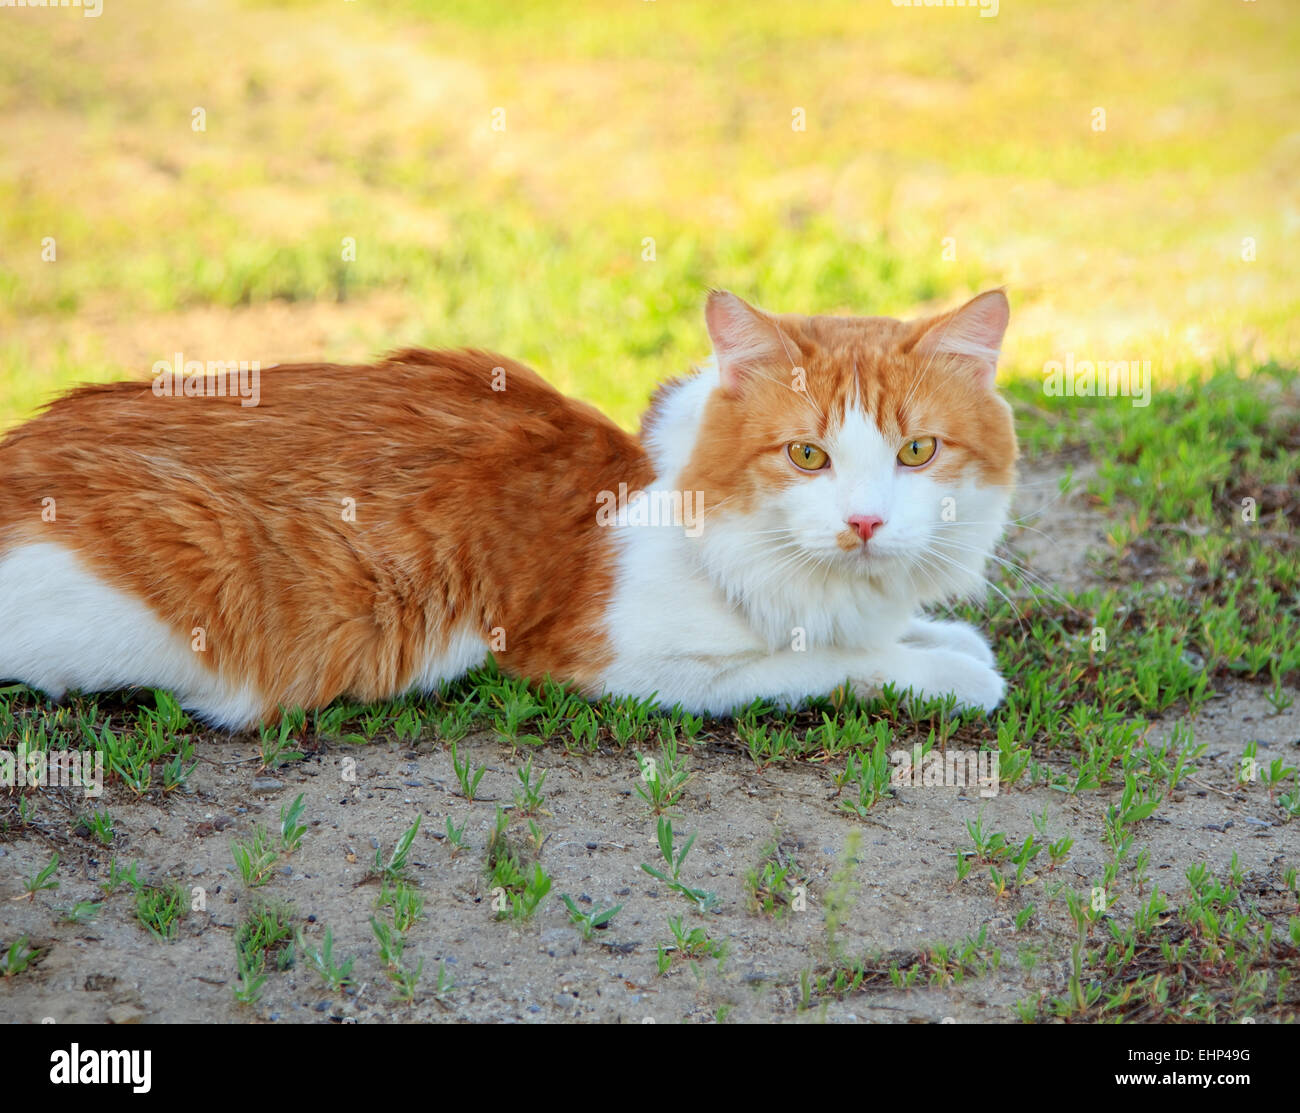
(672, 123)
(1223, 955)
(777, 884)
(939, 964)
(160, 908)
(645, 121)
(265, 932)
(18, 956)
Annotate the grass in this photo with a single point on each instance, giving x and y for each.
(932, 966)
(703, 899)
(334, 974)
(265, 933)
(664, 778)
(466, 235)
(590, 920)
(1128, 243)
(777, 885)
(517, 884)
(394, 867)
(1218, 957)
(160, 908)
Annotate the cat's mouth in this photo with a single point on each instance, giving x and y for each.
(859, 553)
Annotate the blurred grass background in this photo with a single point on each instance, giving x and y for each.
(627, 120)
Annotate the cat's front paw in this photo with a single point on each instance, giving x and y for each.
(937, 673)
(958, 636)
(977, 685)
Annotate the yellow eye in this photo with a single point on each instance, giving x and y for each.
(917, 451)
(807, 456)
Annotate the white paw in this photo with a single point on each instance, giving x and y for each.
(974, 683)
(957, 636)
(936, 673)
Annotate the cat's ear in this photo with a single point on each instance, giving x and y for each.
(974, 332)
(744, 338)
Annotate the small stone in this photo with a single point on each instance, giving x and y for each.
(125, 1014)
(266, 784)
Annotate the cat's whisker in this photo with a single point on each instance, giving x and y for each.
(1025, 574)
(987, 582)
(1018, 524)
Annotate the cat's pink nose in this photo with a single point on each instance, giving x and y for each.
(865, 524)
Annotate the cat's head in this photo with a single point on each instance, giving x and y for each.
(858, 452)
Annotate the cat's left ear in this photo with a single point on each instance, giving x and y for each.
(744, 339)
(974, 332)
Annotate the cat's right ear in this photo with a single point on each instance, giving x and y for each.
(744, 338)
(972, 334)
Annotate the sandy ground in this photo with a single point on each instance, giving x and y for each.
(597, 834)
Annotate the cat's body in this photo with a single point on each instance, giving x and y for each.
(364, 531)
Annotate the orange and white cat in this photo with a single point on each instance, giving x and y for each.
(776, 531)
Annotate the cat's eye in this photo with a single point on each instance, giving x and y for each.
(918, 451)
(807, 457)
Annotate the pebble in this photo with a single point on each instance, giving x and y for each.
(125, 1014)
(266, 784)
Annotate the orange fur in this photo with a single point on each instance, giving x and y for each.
(231, 518)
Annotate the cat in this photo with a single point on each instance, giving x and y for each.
(775, 531)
